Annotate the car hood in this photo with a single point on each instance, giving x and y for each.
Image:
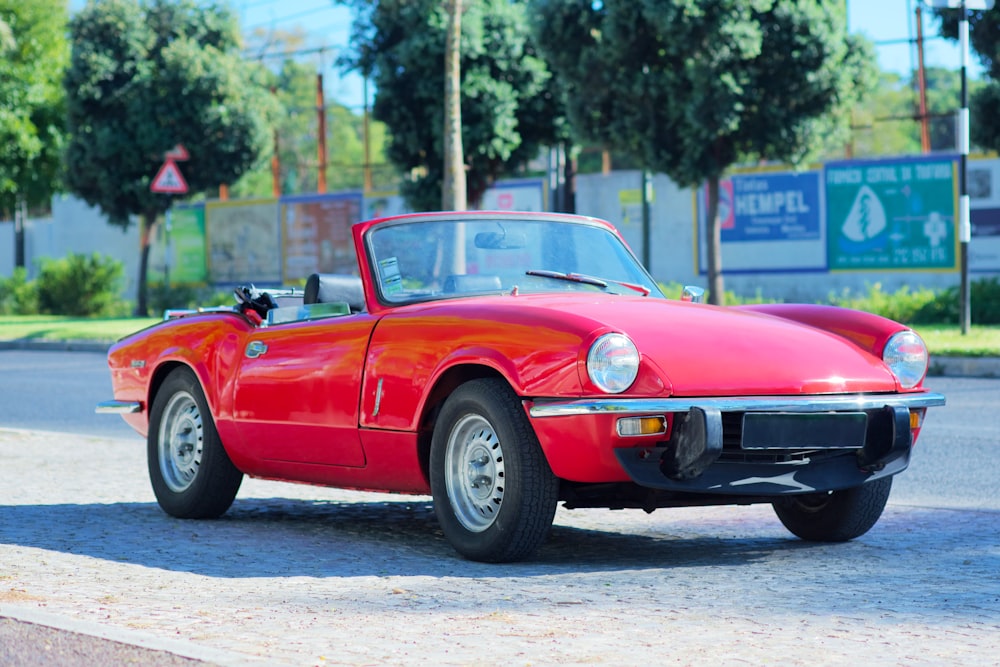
(703, 350)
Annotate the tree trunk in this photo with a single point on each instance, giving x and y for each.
(453, 190)
(713, 245)
(148, 226)
(20, 225)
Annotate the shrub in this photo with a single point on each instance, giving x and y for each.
(903, 305)
(18, 295)
(164, 297)
(79, 285)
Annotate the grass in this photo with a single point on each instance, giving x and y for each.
(942, 339)
(946, 340)
(57, 328)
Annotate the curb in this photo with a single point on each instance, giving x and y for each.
(179, 647)
(56, 345)
(980, 367)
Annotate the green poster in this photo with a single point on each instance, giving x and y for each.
(187, 241)
(891, 215)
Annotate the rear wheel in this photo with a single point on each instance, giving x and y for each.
(191, 473)
(836, 516)
(494, 493)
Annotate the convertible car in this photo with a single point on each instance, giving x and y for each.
(506, 362)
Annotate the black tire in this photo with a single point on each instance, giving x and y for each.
(837, 516)
(494, 493)
(190, 471)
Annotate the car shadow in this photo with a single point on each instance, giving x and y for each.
(271, 537)
(276, 537)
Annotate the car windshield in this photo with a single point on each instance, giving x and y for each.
(441, 258)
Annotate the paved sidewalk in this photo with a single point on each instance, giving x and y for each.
(298, 575)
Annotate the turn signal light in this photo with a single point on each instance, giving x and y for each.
(633, 426)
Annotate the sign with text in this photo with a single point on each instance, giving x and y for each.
(892, 214)
(771, 221)
(769, 207)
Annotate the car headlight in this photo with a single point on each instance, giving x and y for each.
(613, 363)
(906, 356)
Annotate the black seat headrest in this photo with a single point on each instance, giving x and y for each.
(334, 287)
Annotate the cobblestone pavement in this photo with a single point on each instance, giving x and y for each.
(298, 575)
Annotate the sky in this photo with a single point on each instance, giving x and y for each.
(328, 25)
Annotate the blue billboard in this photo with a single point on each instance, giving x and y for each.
(781, 206)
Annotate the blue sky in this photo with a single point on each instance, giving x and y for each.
(328, 25)
(880, 20)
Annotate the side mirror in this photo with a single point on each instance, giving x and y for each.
(693, 294)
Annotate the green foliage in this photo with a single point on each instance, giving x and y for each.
(984, 127)
(18, 295)
(904, 305)
(165, 297)
(927, 306)
(79, 285)
(691, 87)
(984, 33)
(33, 53)
(510, 107)
(145, 77)
(294, 86)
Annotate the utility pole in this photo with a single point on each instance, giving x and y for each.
(964, 222)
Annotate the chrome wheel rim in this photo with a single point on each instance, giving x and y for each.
(181, 442)
(474, 473)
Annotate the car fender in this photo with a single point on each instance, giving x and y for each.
(868, 331)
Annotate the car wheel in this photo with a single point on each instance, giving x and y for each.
(836, 516)
(191, 473)
(494, 493)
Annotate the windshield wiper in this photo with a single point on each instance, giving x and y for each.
(586, 280)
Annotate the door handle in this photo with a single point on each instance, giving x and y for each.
(255, 349)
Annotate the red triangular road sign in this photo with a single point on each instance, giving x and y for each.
(169, 179)
(177, 153)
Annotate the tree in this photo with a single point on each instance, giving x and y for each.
(145, 77)
(984, 36)
(294, 86)
(693, 87)
(509, 106)
(33, 55)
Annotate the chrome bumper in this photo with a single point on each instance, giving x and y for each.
(644, 406)
(118, 407)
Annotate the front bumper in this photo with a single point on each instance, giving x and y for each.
(788, 445)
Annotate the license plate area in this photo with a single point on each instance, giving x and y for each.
(791, 430)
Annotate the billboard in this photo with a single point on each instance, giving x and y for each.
(770, 221)
(892, 214)
(316, 231)
(243, 241)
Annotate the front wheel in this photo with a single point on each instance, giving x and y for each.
(835, 516)
(494, 493)
(191, 473)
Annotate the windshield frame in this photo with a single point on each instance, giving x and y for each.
(388, 280)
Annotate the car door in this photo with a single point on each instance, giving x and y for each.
(296, 392)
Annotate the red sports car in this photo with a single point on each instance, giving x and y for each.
(504, 362)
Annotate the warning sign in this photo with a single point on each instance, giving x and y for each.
(169, 179)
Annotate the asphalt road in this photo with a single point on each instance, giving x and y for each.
(57, 391)
(307, 576)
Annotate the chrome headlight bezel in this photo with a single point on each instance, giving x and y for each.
(906, 356)
(613, 363)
